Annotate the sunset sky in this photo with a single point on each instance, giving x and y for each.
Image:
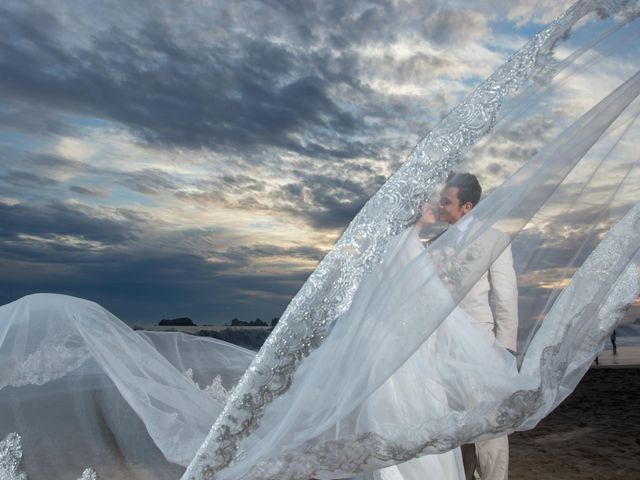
(198, 158)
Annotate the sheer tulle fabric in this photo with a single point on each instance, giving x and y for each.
(84, 390)
(384, 366)
(320, 428)
(552, 187)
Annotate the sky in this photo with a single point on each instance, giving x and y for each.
(199, 158)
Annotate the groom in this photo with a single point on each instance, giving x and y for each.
(496, 279)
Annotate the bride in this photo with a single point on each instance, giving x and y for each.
(373, 369)
(420, 383)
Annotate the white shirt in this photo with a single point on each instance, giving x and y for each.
(461, 227)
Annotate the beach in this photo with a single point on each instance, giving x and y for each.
(593, 434)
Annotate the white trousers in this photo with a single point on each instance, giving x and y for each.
(489, 459)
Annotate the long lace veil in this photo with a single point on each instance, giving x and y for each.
(355, 322)
(377, 360)
(79, 388)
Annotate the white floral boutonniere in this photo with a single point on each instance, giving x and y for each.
(453, 265)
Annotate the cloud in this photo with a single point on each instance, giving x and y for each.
(540, 12)
(59, 219)
(23, 179)
(226, 89)
(449, 27)
(205, 155)
(150, 181)
(421, 67)
(26, 119)
(89, 190)
(45, 169)
(145, 277)
(167, 91)
(263, 257)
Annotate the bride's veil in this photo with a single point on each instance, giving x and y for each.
(79, 388)
(560, 168)
(375, 362)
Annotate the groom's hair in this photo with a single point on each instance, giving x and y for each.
(469, 189)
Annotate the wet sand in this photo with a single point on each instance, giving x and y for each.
(593, 434)
(628, 356)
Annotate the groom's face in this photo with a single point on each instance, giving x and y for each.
(449, 208)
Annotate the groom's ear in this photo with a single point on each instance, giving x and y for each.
(466, 208)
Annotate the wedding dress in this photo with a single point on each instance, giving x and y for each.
(421, 382)
(373, 370)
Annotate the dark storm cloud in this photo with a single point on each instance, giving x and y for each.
(370, 24)
(243, 77)
(557, 243)
(244, 256)
(29, 175)
(43, 162)
(454, 26)
(276, 90)
(147, 284)
(334, 214)
(237, 92)
(326, 201)
(238, 191)
(88, 190)
(31, 121)
(149, 181)
(548, 255)
(22, 179)
(243, 182)
(61, 219)
(344, 23)
(421, 67)
(510, 146)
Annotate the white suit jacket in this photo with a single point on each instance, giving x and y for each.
(497, 279)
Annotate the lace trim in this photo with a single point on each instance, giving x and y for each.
(89, 474)
(330, 289)
(56, 355)
(215, 391)
(366, 451)
(11, 459)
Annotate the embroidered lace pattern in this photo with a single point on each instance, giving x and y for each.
(89, 474)
(215, 391)
(56, 355)
(11, 458)
(330, 289)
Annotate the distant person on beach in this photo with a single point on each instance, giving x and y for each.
(613, 342)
